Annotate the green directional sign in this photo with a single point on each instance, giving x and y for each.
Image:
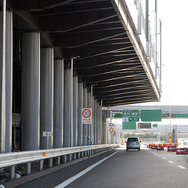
(118, 115)
(180, 115)
(130, 115)
(155, 125)
(151, 115)
(129, 125)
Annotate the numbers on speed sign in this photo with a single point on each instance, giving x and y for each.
(87, 116)
(86, 113)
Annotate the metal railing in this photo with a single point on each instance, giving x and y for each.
(61, 155)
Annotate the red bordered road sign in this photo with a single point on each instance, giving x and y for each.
(111, 129)
(86, 115)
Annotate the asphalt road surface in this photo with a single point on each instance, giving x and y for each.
(120, 169)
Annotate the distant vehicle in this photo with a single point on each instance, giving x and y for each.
(133, 143)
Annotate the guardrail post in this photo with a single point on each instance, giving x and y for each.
(50, 162)
(64, 159)
(69, 157)
(74, 156)
(78, 155)
(12, 172)
(82, 153)
(28, 168)
(41, 165)
(58, 160)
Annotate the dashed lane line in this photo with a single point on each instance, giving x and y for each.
(171, 162)
(179, 166)
(182, 167)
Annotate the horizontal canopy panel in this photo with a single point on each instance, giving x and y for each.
(93, 33)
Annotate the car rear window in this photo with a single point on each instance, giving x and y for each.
(132, 139)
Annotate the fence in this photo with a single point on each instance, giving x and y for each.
(59, 155)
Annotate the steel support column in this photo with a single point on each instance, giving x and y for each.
(31, 91)
(80, 106)
(6, 77)
(101, 126)
(2, 79)
(47, 97)
(89, 125)
(75, 110)
(104, 129)
(85, 125)
(68, 107)
(95, 122)
(58, 103)
(92, 106)
(8, 81)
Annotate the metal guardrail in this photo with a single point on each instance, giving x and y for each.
(68, 154)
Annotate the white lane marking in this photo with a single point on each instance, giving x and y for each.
(171, 162)
(182, 167)
(70, 180)
(164, 157)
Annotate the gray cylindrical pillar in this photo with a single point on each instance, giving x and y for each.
(8, 81)
(31, 91)
(47, 97)
(98, 124)
(80, 106)
(92, 125)
(75, 110)
(105, 129)
(68, 107)
(89, 125)
(101, 125)
(95, 121)
(2, 78)
(58, 103)
(93, 118)
(85, 125)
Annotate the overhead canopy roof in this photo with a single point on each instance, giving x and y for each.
(95, 35)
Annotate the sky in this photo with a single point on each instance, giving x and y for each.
(174, 17)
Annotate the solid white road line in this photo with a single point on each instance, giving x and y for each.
(70, 180)
(182, 167)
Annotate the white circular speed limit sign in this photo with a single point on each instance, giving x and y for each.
(86, 115)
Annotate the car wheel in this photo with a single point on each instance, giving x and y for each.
(127, 149)
(138, 149)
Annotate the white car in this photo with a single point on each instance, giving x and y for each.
(133, 143)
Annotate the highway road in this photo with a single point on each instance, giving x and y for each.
(120, 169)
